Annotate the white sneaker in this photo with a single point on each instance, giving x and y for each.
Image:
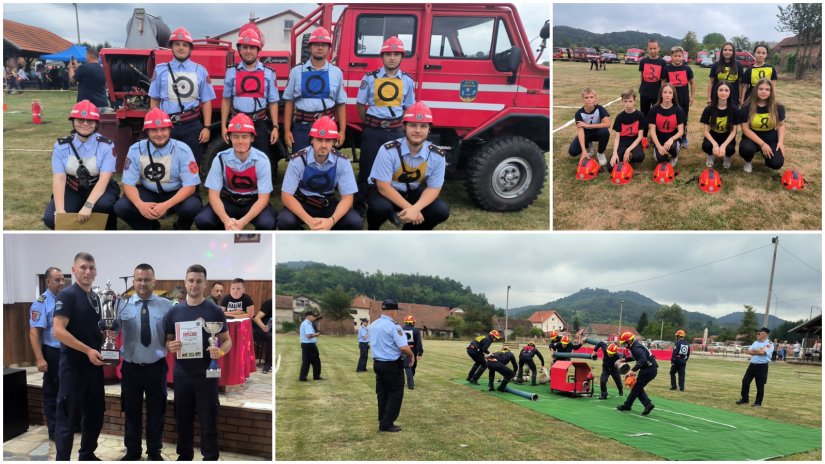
(673, 161)
(602, 159)
(748, 167)
(726, 162)
(709, 162)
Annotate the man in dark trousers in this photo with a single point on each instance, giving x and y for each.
(526, 357)
(476, 350)
(76, 317)
(363, 346)
(760, 352)
(388, 344)
(497, 362)
(309, 348)
(678, 360)
(414, 341)
(647, 368)
(609, 369)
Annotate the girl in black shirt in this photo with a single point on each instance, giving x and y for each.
(720, 118)
(762, 120)
(726, 69)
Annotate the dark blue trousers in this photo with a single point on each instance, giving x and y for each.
(196, 394)
(139, 380)
(51, 386)
(287, 220)
(208, 220)
(380, 209)
(186, 210)
(638, 391)
(677, 368)
(364, 349)
(80, 395)
(189, 132)
(300, 135)
(480, 364)
(73, 202)
(389, 390)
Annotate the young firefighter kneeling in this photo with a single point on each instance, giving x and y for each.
(407, 177)
(308, 190)
(239, 183)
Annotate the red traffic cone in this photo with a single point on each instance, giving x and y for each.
(36, 113)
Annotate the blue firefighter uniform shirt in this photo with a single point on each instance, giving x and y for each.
(248, 104)
(295, 171)
(363, 335)
(42, 317)
(306, 330)
(257, 163)
(320, 89)
(387, 166)
(386, 339)
(193, 85)
(173, 164)
(762, 358)
(133, 350)
(367, 91)
(96, 153)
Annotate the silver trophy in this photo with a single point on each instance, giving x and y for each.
(110, 305)
(213, 372)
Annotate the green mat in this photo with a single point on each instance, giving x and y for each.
(674, 430)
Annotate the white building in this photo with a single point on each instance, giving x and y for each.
(276, 29)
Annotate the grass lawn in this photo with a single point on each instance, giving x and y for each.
(755, 201)
(27, 174)
(336, 419)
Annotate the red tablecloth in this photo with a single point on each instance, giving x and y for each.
(236, 366)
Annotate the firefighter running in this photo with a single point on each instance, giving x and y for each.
(525, 356)
(647, 368)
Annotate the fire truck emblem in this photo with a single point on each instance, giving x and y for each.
(468, 91)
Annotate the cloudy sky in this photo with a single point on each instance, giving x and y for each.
(107, 21)
(545, 267)
(756, 21)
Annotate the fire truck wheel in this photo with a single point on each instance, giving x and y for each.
(216, 145)
(506, 174)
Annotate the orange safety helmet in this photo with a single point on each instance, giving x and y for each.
(249, 37)
(320, 35)
(680, 333)
(84, 109)
(324, 128)
(626, 338)
(793, 180)
(553, 334)
(156, 118)
(709, 181)
(630, 380)
(565, 340)
(664, 173)
(241, 123)
(622, 173)
(495, 334)
(409, 320)
(418, 112)
(393, 44)
(181, 35)
(612, 349)
(588, 169)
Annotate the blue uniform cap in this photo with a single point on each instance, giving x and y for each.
(389, 305)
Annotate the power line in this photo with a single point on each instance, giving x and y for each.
(803, 262)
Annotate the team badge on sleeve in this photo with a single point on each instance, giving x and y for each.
(193, 167)
(35, 316)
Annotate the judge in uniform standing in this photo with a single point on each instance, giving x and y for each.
(760, 351)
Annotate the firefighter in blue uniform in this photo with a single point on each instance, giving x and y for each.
(80, 395)
(525, 356)
(416, 345)
(407, 177)
(251, 88)
(645, 370)
(46, 348)
(314, 89)
(308, 190)
(160, 176)
(82, 167)
(497, 362)
(239, 184)
(363, 346)
(184, 90)
(760, 351)
(678, 360)
(609, 369)
(382, 98)
(476, 350)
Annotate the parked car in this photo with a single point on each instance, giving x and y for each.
(661, 344)
(745, 58)
(633, 55)
(561, 53)
(610, 58)
(584, 54)
(706, 62)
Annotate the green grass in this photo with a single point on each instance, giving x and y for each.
(336, 419)
(754, 201)
(27, 174)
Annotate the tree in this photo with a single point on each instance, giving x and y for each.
(640, 326)
(740, 42)
(576, 323)
(690, 44)
(714, 40)
(748, 327)
(804, 20)
(335, 304)
(672, 315)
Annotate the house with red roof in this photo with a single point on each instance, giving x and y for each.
(547, 320)
(28, 42)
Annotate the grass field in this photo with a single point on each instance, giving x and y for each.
(336, 419)
(755, 201)
(27, 174)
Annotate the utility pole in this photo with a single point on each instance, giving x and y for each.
(77, 21)
(506, 313)
(662, 331)
(775, 242)
(621, 307)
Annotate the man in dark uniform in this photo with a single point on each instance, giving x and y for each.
(91, 82)
(476, 350)
(609, 369)
(76, 317)
(46, 348)
(414, 341)
(497, 362)
(552, 338)
(678, 360)
(647, 368)
(388, 344)
(563, 345)
(760, 352)
(193, 390)
(262, 332)
(144, 365)
(526, 357)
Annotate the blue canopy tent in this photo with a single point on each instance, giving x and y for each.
(76, 51)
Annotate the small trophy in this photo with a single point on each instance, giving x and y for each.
(214, 372)
(110, 306)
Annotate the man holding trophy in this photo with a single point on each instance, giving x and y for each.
(77, 313)
(196, 371)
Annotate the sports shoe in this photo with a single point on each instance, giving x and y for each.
(748, 167)
(673, 388)
(756, 405)
(709, 162)
(742, 401)
(602, 397)
(648, 408)
(392, 428)
(726, 162)
(602, 159)
(623, 407)
(674, 160)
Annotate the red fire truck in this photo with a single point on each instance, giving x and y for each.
(472, 64)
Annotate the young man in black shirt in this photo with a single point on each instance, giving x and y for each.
(650, 70)
(238, 304)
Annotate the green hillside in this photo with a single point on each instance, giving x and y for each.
(564, 36)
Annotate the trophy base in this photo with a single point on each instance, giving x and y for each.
(110, 358)
(213, 373)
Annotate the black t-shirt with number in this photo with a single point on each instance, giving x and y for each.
(596, 116)
(725, 121)
(182, 312)
(240, 304)
(761, 123)
(628, 126)
(731, 76)
(82, 309)
(651, 71)
(680, 77)
(752, 75)
(667, 120)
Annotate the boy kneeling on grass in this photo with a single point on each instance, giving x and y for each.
(630, 124)
(592, 123)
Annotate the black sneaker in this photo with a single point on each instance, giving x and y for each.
(673, 388)
(756, 405)
(742, 401)
(602, 397)
(392, 428)
(648, 408)
(131, 457)
(623, 407)
(155, 457)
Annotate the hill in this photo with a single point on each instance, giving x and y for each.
(734, 320)
(565, 36)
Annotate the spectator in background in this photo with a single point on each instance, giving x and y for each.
(91, 84)
(216, 293)
(238, 304)
(775, 351)
(262, 332)
(796, 348)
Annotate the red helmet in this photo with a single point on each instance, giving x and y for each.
(626, 338)
(155, 119)
(588, 169)
(249, 37)
(409, 320)
(393, 44)
(793, 180)
(680, 333)
(320, 35)
(622, 173)
(181, 35)
(565, 340)
(241, 123)
(554, 333)
(324, 128)
(418, 112)
(709, 181)
(663, 173)
(612, 349)
(253, 27)
(84, 109)
(495, 334)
